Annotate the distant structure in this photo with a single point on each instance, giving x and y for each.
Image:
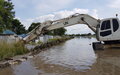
(9, 36)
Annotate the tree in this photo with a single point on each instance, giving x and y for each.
(60, 31)
(32, 26)
(17, 27)
(6, 15)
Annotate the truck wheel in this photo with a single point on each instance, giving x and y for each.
(97, 46)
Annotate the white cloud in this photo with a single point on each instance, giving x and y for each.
(94, 13)
(66, 13)
(63, 14)
(79, 28)
(114, 4)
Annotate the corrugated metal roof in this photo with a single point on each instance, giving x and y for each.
(8, 32)
(23, 35)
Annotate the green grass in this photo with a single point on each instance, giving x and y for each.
(53, 39)
(11, 49)
(39, 42)
(32, 43)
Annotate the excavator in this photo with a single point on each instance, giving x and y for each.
(107, 30)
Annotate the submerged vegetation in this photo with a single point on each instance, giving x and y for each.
(8, 50)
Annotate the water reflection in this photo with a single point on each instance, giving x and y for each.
(73, 54)
(83, 37)
(25, 68)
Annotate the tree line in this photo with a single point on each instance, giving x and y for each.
(8, 21)
(60, 31)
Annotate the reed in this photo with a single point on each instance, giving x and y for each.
(8, 50)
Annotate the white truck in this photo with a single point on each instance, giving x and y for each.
(107, 30)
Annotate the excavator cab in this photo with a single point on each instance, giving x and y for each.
(108, 32)
(109, 29)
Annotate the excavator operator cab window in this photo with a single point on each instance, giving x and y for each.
(115, 24)
(105, 25)
(105, 29)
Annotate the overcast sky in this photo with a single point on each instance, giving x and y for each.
(28, 11)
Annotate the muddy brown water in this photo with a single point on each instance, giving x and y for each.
(74, 57)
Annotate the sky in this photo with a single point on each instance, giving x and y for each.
(28, 11)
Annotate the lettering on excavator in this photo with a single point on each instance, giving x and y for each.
(65, 23)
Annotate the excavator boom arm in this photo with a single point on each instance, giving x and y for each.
(65, 22)
(75, 19)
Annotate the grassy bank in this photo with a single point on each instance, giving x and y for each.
(9, 50)
(59, 39)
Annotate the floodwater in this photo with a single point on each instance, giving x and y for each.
(74, 57)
